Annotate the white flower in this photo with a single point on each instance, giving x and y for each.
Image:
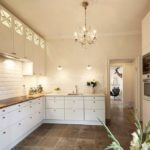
(145, 146)
(135, 141)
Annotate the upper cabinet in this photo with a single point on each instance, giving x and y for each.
(17, 39)
(6, 31)
(146, 34)
(19, 36)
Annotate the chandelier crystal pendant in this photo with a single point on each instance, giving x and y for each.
(85, 35)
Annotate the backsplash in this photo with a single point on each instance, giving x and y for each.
(12, 82)
(11, 79)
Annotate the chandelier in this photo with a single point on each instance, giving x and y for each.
(85, 35)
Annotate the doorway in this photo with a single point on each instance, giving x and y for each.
(129, 95)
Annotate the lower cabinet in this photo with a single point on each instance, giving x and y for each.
(75, 109)
(74, 114)
(20, 120)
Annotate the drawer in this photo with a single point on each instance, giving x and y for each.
(8, 119)
(93, 114)
(100, 98)
(74, 114)
(50, 97)
(54, 103)
(24, 104)
(94, 104)
(8, 109)
(74, 103)
(55, 114)
(74, 98)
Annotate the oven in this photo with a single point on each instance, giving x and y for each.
(146, 91)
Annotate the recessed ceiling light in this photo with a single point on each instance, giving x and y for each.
(59, 68)
(89, 67)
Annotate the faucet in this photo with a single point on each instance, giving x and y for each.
(76, 89)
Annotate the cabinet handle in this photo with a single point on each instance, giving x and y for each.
(19, 105)
(30, 117)
(19, 111)
(4, 132)
(4, 110)
(4, 117)
(19, 124)
(39, 112)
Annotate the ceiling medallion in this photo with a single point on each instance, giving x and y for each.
(86, 35)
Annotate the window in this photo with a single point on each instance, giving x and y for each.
(42, 43)
(18, 27)
(36, 39)
(29, 34)
(6, 18)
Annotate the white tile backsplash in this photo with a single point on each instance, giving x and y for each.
(11, 79)
(12, 82)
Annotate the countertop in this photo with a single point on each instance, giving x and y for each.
(16, 100)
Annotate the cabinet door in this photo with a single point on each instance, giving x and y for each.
(5, 138)
(74, 102)
(146, 31)
(6, 31)
(93, 104)
(19, 38)
(55, 114)
(93, 114)
(29, 45)
(54, 103)
(74, 114)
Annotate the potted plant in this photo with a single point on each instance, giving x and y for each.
(92, 84)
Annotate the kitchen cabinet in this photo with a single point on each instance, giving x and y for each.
(18, 120)
(75, 109)
(146, 32)
(6, 31)
(19, 38)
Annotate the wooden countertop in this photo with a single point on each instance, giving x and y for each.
(16, 100)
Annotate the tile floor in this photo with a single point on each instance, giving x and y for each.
(80, 137)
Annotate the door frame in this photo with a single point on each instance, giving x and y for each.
(138, 103)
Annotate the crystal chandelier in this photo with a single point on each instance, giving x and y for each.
(85, 35)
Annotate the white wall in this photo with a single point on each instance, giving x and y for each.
(12, 82)
(74, 58)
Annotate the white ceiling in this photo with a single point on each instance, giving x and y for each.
(60, 18)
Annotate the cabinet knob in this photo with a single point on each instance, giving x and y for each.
(93, 101)
(4, 110)
(54, 109)
(4, 117)
(19, 124)
(39, 112)
(4, 132)
(93, 110)
(19, 111)
(30, 117)
(19, 105)
(74, 110)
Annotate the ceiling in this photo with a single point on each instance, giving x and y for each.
(61, 18)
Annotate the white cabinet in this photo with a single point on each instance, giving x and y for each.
(55, 114)
(94, 108)
(146, 32)
(93, 114)
(17, 120)
(74, 114)
(6, 31)
(19, 38)
(75, 109)
(55, 108)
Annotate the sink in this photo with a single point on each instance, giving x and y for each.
(74, 94)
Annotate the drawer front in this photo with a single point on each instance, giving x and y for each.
(73, 98)
(54, 103)
(23, 112)
(74, 104)
(94, 104)
(55, 114)
(93, 114)
(99, 98)
(50, 97)
(74, 114)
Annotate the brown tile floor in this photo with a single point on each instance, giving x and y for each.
(80, 137)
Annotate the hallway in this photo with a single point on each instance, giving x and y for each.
(80, 137)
